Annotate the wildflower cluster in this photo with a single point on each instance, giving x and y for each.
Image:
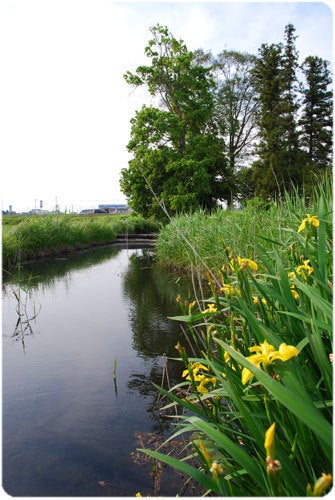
(240, 263)
(269, 323)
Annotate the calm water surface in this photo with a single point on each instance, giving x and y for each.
(70, 428)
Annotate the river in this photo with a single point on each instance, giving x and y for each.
(84, 337)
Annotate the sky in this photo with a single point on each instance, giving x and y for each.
(65, 106)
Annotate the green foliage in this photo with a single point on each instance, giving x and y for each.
(278, 164)
(177, 156)
(226, 127)
(287, 157)
(258, 388)
(236, 108)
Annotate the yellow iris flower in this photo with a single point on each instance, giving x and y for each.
(305, 269)
(256, 300)
(265, 355)
(194, 368)
(211, 309)
(199, 377)
(227, 289)
(311, 220)
(202, 387)
(243, 263)
(320, 485)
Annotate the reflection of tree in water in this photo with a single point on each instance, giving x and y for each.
(152, 293)
(45, 272)
(163, 373)
(152, 296)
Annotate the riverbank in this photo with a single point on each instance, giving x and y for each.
(34, 237)
(199, 241)
(128, 240)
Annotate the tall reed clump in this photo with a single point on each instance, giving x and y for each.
(56, 233)
(210, 233)
(257, 390)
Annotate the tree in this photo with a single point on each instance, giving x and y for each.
(317, 119)
(290, 106)
(235, 108)
(267, 81)
(177, 157)
(281, 161)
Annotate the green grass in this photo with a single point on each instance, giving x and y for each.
(27, 236)
(242, 231)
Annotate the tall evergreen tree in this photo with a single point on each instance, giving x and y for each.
(280, 162)
(290, 106)
(267, 80)
(317, 117)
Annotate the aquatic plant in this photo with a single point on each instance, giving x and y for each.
(257, 393)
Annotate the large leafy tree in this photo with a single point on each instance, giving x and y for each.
(317, 113)
(177, 156)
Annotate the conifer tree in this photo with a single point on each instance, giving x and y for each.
(280, 164)
(267, 80)
(292, 172)
(317, 119)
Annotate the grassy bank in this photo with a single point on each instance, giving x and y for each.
(255, 397)
(267, 225)
(27, 237)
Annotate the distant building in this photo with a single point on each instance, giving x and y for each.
(115, 209)
(8, 212)
(38, 211)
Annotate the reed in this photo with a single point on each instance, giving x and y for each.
(240, 230)
(29, 236)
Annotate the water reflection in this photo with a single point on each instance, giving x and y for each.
(27, 310)
(152, 293)
(45, 273)
(85, 383)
